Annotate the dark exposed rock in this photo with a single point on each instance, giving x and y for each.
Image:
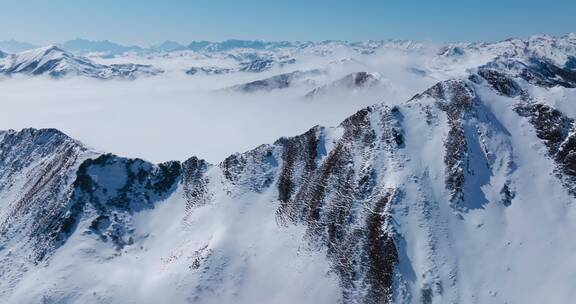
(253, 170)
(456, 98)
(347, 214)
(115, 188)
(537, 71)
(299, 155)
(507, 195)
(547, 73)
(195, 182)
(501, 83)
(48, 157)
(551, 125)
(558, 133)
(570, 63)
(381, 251)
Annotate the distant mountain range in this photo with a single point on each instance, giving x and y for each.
(54, 62)
(80, 57)
(108, 48)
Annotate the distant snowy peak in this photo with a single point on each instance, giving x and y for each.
(351, 82)
(227, 45)
(281, 81)
(326, 46)
(260, 65)
(55, 62)
(237, 47)
(559, 50)
(104, 47)
(169, 46)
(256, 65)
(13, 46)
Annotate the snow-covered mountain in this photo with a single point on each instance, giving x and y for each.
(55, 62)
(256, 65)
(462, 194)
(169, 46)
(349, 83)
(13, 46)
(281, 81)
(102, 48)
(235, 47)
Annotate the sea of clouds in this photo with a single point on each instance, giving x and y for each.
(174, 116)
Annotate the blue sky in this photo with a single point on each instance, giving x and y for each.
(147, 21)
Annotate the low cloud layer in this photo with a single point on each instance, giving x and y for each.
(176, 116)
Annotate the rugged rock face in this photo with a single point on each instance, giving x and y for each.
(195, 182)
(557, 132)
(37, 174)
(47, 159)
(456, 99)
(537, 71)
(500, 82)
(110, 189)
(339, 199)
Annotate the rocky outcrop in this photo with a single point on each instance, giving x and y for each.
(195, 182)
(109, 189)
(535, 70)
(557, 131)
(500, 82)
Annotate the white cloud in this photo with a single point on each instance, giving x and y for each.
(175, 116)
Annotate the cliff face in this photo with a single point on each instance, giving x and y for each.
(440, 199)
